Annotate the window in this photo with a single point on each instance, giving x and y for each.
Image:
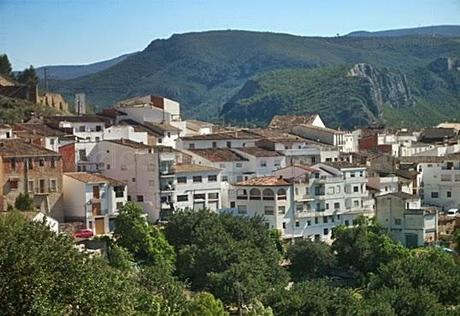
(181, 179)
(269, 210)
(119, 205)
(169, 135)
(254, 194)
(197, 179)
(133, 179)
(119, 191)
(297, 224)
(160, 140)
(98, 128)
(263, 163)
(41, 162)
(214, 144)
(308, 223)
(316, 220)
(129, 198)
(281, 194)
(107, 166)
(31, 163)
(397, 221)
(281, 209)
(268, 194)
(324, 219)
(13, 164)
(239, 178)
(239, 165)
(446, 177)
(53, 163)
(82, 128)
(242, 209)
(30, 186)
(212, 178)
(284, 225)
(53, 185)
(140, 198)
(336, 205)
(267, 225)
(434, 195)
(200, 196)
(182, 198)
(326, 231)
(299, 207)
(352, 174)
(232, 204)
(277, 163)
(449, 194)
(356, 203)
(224, 178)
(355, 189)
(82, 154)
(123, 167)
(296, 191)
(213, 196)
(229, 144)
(327, 206)
(191, 146)
(347, 223)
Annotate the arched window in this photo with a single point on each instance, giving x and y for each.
(268, 194)
(241, 194)
(254, 194)
(282, 194)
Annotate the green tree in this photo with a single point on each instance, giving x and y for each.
(24, 202)
(204, 304)
(365, 247)
(233, 258)
(428, 269)
(310, 259)
(119, 257)
(145, 242)
(5, 66)
(28, 76)
(314, 298)
(41, 273)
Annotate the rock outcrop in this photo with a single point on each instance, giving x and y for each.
(384, 87)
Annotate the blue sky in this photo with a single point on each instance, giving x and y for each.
(45, 32)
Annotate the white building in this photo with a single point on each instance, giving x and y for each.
(5, 131)
(139, 165)
(93, 199)
(440, 182)
(264, 196)
(231, 139)
(198, 187)
(261, 160)
(405, 219)
(235, 168)
(87, 127)
(321, 134)
(155, 109)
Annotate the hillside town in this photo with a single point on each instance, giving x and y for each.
(303, 178)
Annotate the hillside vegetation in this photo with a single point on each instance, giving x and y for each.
(14, 110)
(205, 70)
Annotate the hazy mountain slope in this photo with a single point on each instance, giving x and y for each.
(204, 70)
(64, 72)
(438, 30)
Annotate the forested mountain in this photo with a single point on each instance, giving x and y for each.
(206, 70)
(437, 30)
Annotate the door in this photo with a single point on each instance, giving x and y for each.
(42, 186)
(96, 208)
(100, 226)
(96, 193)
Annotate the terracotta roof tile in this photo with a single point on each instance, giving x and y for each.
(93, 178)
(218, 154)
(264, 181)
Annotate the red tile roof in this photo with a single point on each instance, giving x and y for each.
(264, 181)
(93, 178)
(218, 154)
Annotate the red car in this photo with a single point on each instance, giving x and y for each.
(84, 233)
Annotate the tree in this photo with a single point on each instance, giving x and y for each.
(310, 259)
(234, 258)
(314, 298)
(204, 304)
(145, 242)
(24, 202)
(365, 247)
(28, 76)
(41, 273)
(5, 66)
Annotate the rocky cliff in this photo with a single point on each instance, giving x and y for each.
(384, 87)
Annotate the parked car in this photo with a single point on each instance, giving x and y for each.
(84, 233)
(452, 212)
